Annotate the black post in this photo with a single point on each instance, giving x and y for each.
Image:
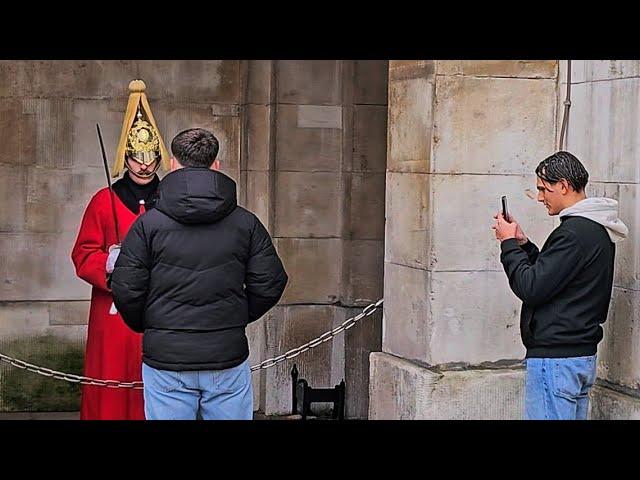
(294, 380)
(341, 395)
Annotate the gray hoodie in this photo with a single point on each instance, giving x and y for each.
(603, 211)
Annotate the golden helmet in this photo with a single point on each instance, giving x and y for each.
(140, 138)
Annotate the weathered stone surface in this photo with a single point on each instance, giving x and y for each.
(22, 318)
(39, 268)
(366, 268)
(13, 183)
(403, 390)
(192, 81)
(314, 267)
(607, 404)
(258, 199)
(408, 206)
(319, 116)
(499, 68)
(56, 199)
(9, 78)
(54, 130)
(316, 82)
(410, 69)
(25, 319)
(365, 337)
(619, 352)
(308, 204)
(427, 319)
(18, 133)
(305, 149)
(369, 138)
(407, 320)
(69, 313)
(260, 81)
(598, 70)
(410, 125)
(370, 81)
(76, 78)
(367, 206)
(602, 129)
(476, 133)
(474, 318)
(259, 137)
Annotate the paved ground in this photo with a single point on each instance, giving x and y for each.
(76, 416)
(39, 415)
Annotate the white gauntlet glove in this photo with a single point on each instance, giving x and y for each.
(114, 251)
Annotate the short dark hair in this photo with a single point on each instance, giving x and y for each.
(195, 147)
(563, 165)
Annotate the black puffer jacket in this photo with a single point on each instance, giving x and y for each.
(194, 271)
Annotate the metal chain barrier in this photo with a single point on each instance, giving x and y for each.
(47, 372)
(347, 324)
(270, 362)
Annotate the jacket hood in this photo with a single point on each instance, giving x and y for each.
(194, 195)
(603, 211)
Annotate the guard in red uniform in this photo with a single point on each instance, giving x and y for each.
(113, 351)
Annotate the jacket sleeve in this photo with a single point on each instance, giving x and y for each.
(554, 267)
(531, 250)
(265, 277)
(130, 277)
(89, 254)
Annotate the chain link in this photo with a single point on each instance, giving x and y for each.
(47, 372)
(270, 362)
(347, 324)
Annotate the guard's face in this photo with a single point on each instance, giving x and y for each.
(141, 169)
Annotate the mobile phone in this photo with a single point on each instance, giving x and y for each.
(505, 210)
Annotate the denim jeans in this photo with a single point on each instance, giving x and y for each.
(208, 394)
(558, 388)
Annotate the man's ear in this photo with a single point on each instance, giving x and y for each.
(215, 165)
(564, 186)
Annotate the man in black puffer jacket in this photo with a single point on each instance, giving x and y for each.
(191, 275)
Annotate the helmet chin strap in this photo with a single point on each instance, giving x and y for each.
(144, 175)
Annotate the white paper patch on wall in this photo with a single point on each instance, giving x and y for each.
(318, 116)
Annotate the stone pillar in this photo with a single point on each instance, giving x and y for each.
(603, 134)
(461, 134)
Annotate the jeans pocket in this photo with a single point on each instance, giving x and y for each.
(165, 380)
(571, 376)
(233, 379)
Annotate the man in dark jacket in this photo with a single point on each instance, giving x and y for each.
(565, 288)
(191, 275)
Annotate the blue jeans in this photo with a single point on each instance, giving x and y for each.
(213, 394)
(558, 388)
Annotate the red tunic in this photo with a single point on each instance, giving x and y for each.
(113, 351)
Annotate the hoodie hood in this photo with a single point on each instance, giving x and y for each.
(193, 195)
(603, 211)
